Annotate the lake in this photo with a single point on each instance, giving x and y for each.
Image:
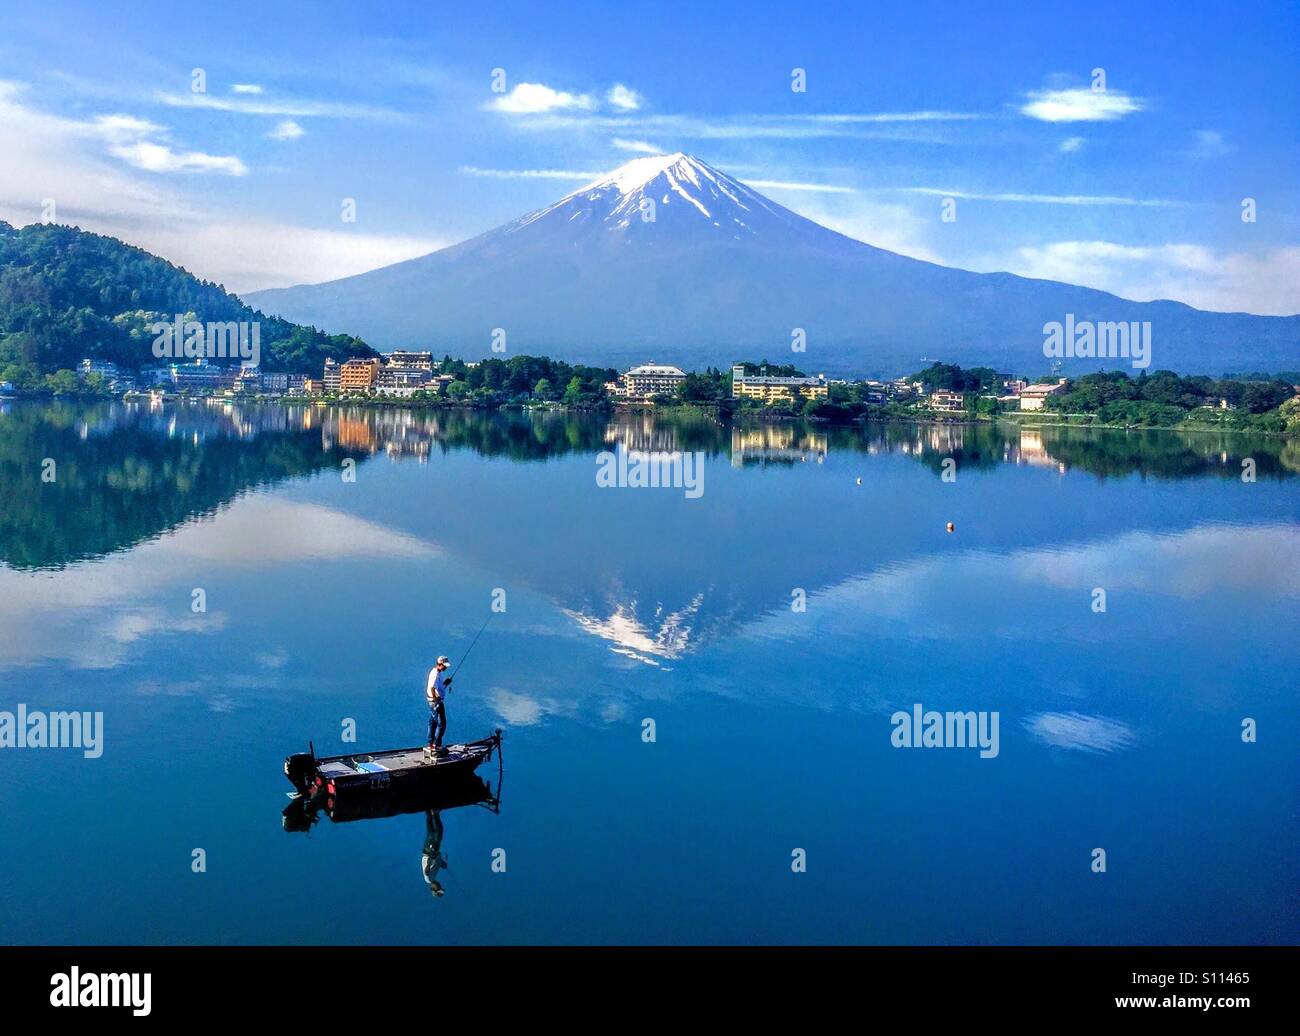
(699, 685)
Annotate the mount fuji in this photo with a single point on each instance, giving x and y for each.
(667, 258)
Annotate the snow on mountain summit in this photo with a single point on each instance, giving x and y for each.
(666, 193)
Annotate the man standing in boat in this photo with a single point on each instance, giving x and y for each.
(435, 692)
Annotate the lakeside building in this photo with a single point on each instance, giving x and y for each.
(401, 359)
(330, 377)
(358, 375)
(199, 375)
(650, 379)
(107, 371)
(403, 381)
(776, 390)
(946, 402)
(1032, 397)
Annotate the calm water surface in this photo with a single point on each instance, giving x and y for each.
(327, 600)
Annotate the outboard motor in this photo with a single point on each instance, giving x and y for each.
(300, 769)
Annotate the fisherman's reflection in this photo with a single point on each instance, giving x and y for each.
(432, 860)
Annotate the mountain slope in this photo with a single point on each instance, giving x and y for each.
(670, 258)
(66, 294)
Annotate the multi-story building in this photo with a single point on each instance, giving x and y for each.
(402, 381)
(105, 370)
(358, 375)
(248, 379)
(649, 379)
(313, 386)
(274, 383)
(946, 402)
(1032, 397)
(331, 376)
(200, 375)
(774, 389)
(295, 383)
(400, 359)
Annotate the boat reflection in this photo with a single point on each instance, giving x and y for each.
(305, 811)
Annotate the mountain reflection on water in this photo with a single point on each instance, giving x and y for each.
(809, 592)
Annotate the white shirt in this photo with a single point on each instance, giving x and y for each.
(436, 687)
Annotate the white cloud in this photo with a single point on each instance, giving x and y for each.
(296, 107)
(1266, 281)
(159, 158)
(531, 174)
(1080, 104)
(788, 185)
(1070, 144)
(624, 98)
(1041, 199)
(636, 147)
(71, 162)
(246, 88)
(135, 141)
(532, 98)
(287, 130)
(1209, 144)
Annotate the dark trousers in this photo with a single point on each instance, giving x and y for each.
(437, 723)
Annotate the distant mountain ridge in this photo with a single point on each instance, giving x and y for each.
(668, 258)
(66, 294)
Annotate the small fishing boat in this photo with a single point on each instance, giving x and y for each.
(397, 769)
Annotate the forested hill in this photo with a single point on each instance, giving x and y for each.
(66, 294)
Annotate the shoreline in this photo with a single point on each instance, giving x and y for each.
(713, 412)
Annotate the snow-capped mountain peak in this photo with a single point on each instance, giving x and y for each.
(666, 256)
(660, 196)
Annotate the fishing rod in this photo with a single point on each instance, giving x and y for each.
(471, 645)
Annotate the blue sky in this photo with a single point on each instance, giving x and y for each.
(1136, 189)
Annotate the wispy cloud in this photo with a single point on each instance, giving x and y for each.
(159, 158)
(636, 147)
(1070, 145)
(1209, 144)
(787, 185)
(137, 142)
(631, 125)
(1042, 199)
(1080, 104)
(72, 161)
(295, 107)
(246, 88)
(530, 174)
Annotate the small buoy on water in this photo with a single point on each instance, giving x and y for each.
(951, 527)
(859, 480)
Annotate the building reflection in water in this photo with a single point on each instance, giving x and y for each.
(781, 443)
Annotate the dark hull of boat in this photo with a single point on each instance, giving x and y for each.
(401, 770)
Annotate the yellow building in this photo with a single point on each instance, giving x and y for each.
(775, 390)
(358, 375)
